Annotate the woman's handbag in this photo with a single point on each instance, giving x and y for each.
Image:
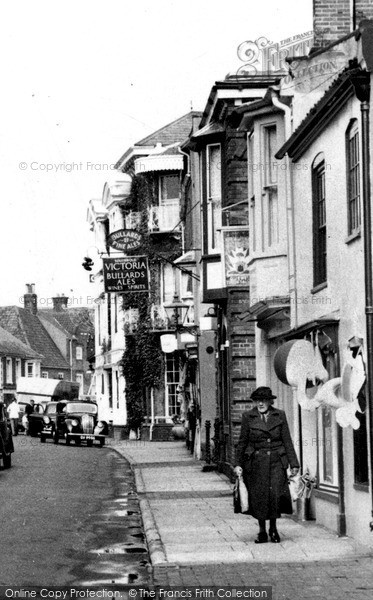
(240, 496)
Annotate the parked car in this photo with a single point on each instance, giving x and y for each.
(35, 419)
(38, 409)
(73, 421)
(6, 439)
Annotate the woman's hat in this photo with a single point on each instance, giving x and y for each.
(262, 393)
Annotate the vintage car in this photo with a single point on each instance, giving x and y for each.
(73, 420)
(6, 439)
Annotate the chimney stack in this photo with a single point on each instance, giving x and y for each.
(333, 19)
(60, 303)
(30, 299)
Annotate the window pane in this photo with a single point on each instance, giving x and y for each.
(353, 180)
(170, 187)
(319, 218)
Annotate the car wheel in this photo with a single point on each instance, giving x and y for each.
(77, 441)
(89, 443)
(7, 461)
(55, 439)
(42, 439)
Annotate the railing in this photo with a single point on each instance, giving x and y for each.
(165, 217)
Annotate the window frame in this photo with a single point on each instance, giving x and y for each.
(319, 228)
(213, 213)
(353, 178)
(9, 370)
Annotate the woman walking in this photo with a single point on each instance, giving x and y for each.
(264, 452)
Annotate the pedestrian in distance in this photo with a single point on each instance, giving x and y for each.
(13, 413)
(29, 409)
(264, 452)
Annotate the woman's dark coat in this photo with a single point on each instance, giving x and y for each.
(264, 452)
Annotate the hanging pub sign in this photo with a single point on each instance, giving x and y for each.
(124, 239)
(236, 257)
(126, 274)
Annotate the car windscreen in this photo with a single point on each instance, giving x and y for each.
(81, 407)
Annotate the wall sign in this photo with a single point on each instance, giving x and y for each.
(124, 239)
(236, 257)
(126, 274)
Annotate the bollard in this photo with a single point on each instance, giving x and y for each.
(208, 444)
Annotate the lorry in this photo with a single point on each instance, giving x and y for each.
(43, 390)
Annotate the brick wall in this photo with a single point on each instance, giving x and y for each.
(332, 19)
(242, 365)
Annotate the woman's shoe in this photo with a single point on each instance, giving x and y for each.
(262, 538)
(275, 538)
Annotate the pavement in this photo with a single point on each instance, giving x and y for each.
(194, 537)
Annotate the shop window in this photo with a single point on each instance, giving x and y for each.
(172, 379)
(60, 375)
(327, 434)
(319, 222)
(30, 369)
(353, 178)
(44, 374)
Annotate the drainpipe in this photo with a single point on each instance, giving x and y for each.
(291, 249)
(289, 206)
(361, 84)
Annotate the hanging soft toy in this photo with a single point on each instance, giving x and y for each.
(342, 392)
(298, 363)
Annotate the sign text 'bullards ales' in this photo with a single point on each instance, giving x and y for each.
(126, 274)
(124, 239)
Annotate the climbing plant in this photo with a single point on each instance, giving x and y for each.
(142, 361)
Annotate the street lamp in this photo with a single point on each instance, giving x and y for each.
(174, 312)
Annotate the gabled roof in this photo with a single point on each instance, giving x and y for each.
(29, 329)
(11, 346)
(70, 319)
(319, 116)
(176, 131)
(171, 134)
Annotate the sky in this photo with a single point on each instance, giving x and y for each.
(82, 81)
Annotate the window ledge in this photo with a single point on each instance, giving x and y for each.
(356, 235)
(361, 487)
(319, 287)
(327, 496)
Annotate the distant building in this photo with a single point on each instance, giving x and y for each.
(16, 360)
(61, 336)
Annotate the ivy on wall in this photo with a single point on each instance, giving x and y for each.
(142, 362)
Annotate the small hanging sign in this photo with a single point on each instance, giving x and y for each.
(125, 239)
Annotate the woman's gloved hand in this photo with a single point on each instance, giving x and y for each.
(238, 471)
